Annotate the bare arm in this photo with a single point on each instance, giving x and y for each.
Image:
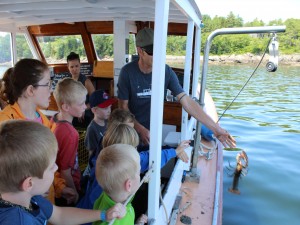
(180, 153)
(142, 131)
(66, 174)
(89, 86)
(71, 216)
(195, 110)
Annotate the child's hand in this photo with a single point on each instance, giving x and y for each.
(181, 154)
(70, 195)
(117, 211)
(142, 220)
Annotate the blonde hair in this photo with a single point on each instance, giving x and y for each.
(120, 116)
(68, 91)
(25, 151)
(116, 164)
(120, 133)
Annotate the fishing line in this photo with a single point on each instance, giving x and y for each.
(246, 81)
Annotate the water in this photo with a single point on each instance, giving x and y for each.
(265, 120)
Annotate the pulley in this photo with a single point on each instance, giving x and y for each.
(273, 52)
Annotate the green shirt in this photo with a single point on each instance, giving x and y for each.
(104, 202)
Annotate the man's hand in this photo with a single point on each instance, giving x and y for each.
(224, 137)
(144, 135)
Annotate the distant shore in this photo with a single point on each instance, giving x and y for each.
(293, 60)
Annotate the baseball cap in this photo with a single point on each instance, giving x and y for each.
(144, 39)
(101, 99)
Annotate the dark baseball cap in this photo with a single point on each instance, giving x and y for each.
(144, 39)
(101, 99)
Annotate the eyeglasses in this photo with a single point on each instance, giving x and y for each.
(49, 85)
(148, 53)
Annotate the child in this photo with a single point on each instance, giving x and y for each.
(125, 134)
(100, 103)
(118, 132)
(27, 157)
(70, 98)
(118, 172)
(26, 87)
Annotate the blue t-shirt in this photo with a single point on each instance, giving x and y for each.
(135, 86)
(42, 210)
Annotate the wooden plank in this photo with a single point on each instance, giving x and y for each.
(104, 69)
(201, 195)
(103, 27)
(172, 113)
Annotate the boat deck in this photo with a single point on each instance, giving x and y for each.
(197, 200)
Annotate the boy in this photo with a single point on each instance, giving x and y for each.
(121, 116)
(27, 157)
(100, 103)
(118, 173)
(70, 98)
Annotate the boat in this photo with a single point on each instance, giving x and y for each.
(193, 190)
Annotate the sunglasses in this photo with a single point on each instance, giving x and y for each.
(148, 52)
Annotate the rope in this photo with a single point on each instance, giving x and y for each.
(210, 150)
(247, 80)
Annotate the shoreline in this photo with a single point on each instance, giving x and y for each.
(289, 60)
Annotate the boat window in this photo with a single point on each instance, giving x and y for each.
(5, 53)
(57, 48)
(104, 46)
(23, 49)
(176, 46)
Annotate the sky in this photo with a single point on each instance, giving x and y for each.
(248, 10)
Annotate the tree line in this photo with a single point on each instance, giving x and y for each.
(58, 48)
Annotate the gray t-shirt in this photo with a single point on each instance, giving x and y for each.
(94, 134)
(135, 86)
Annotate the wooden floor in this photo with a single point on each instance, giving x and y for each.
(198, 199)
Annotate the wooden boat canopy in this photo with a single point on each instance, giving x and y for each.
(15, 14)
